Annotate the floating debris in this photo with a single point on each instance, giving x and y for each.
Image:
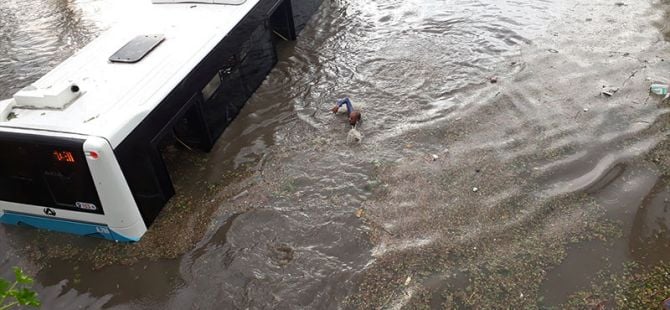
(240, 195)
(609, 91)
(659, 89)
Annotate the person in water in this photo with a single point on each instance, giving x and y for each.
(354, 116)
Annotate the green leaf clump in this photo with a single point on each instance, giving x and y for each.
(18, 293)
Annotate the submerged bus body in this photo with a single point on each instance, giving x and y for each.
(79, 148)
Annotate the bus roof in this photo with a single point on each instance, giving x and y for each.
(115, 97)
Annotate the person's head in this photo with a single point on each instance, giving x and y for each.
(354, 118)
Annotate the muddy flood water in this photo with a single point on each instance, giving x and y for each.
(536, 191)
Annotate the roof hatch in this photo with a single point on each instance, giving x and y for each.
(137, 48)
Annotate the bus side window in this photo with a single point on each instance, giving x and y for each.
(211, 87)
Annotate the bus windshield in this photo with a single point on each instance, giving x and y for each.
(50, 173)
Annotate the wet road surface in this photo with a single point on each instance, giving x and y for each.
(463, 193)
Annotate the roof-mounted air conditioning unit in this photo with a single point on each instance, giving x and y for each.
(56, 96)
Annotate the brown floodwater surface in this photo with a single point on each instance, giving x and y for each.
(463, 193)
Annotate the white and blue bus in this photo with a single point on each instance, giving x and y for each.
(79, 148)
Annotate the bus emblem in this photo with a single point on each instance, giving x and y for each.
(49, 212)
(86, 206)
